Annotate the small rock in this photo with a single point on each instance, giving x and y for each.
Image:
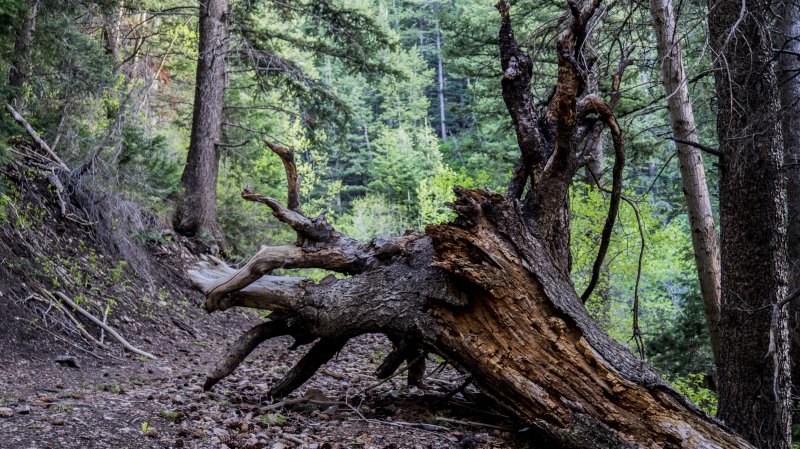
(315, 394)
(24, 409)
(279, 445)
(6, 412)
(67, 360)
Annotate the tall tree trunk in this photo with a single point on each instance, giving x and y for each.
(754, 373)
(789, 85)
(197, 209)
(490, 291)
(442, 115)
(112, 21)
(693, 175)
(19, 72)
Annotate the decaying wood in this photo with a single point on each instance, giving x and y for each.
(490, 292)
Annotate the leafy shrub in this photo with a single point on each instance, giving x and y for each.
(691, 386)
(373, 216)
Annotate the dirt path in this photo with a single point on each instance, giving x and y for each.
(123, 402)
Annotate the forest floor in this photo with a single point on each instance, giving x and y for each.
(114, 399)
(125, 402)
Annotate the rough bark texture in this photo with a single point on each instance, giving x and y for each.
(196, 210)
(20, 68)
(693, 175)
(789, 84)
(490, 291)
(753, 366)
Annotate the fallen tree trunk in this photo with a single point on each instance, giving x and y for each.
(523, 332)
(483, 294)
(490, 291)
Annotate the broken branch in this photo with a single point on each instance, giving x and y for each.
(36, 138)
(243, 347)
(593, 103)
(105, 327)
(293, 188)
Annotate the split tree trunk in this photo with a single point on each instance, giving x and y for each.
(196, 210)
(693, 175)
(491, 291)
(753, 371)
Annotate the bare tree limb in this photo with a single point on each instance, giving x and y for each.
(243, 347)
(36, 138)
(287, 157)
(105, 327)
(595, 104)
(699, 146)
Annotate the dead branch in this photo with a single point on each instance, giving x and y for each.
(36, 138)
(105, 327)
(243, 347)
(293, 182)
(322, 351)
(593, 103)
(316, 230)
(81, 329)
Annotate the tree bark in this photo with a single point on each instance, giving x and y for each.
(196, 210)
(490, 291)
(753, 371)
(693, 175)
(112, 21)
(789, 85)
(19, 72)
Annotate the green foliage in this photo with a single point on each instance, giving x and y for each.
(272, 419)
(682, 347)
(402, 159)
(666, 258)
(145, 168)
(691, 386)
(436, 192)
(374, 216)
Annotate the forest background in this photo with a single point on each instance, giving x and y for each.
(388, 104)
